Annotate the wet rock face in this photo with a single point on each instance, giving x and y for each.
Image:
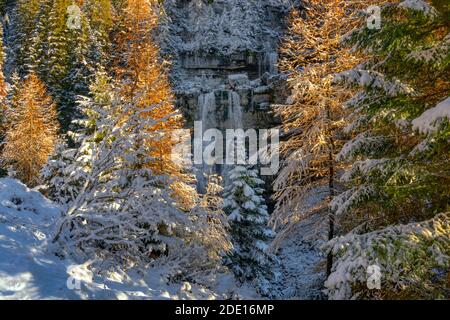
(224, 64)
(223, 45)
(256, 100)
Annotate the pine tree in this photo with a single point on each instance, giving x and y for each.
(248, 217)
(101, 18)
(32, 131)
(3, 92)
(65, 51)
(26, 16)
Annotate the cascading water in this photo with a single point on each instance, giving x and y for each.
(235, 121)
(235, 115)
(267, 63)
(209, 114)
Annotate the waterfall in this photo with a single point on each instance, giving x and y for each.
(267, 62)
(272, 60)
(235, 120)
(210, 116)
(235, 115)
(208, 111)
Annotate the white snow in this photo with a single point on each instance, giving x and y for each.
(434, 54)
(418, 5)
(373, 79)
(404, 248)
(30, 270)
(363, 142)
(431, 119)
(342, 203)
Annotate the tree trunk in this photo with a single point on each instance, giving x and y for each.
(330, 213)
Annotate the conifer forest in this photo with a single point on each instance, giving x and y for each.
(225, 150)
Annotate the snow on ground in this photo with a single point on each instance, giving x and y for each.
(28, 269)
(302, 260)
(303, 263)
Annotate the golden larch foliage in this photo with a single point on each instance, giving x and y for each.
(143, 82)
(32, 130)
(312, 53)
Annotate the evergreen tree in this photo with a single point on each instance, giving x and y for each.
(32, 131)
(26, 15)
(398, 156)
(66, 48)
(3, 92)
(248, 217)
(101, 18)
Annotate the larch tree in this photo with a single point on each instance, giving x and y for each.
(32, 131)
(143, 82)
(312, 53)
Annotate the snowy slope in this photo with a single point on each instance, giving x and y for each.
(29, 270)
(301, 256)
(26, 270)
(303, 262)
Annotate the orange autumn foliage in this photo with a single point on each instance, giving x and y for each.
(32, 131)
(143, 82)
(312, 53)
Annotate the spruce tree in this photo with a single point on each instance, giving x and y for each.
(3, 94)
(398, 157)
(247, 214)
(25, 18)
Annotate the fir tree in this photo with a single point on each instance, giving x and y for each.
(32, 131)
(26, 15)
(3, 92)
(65, 51)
